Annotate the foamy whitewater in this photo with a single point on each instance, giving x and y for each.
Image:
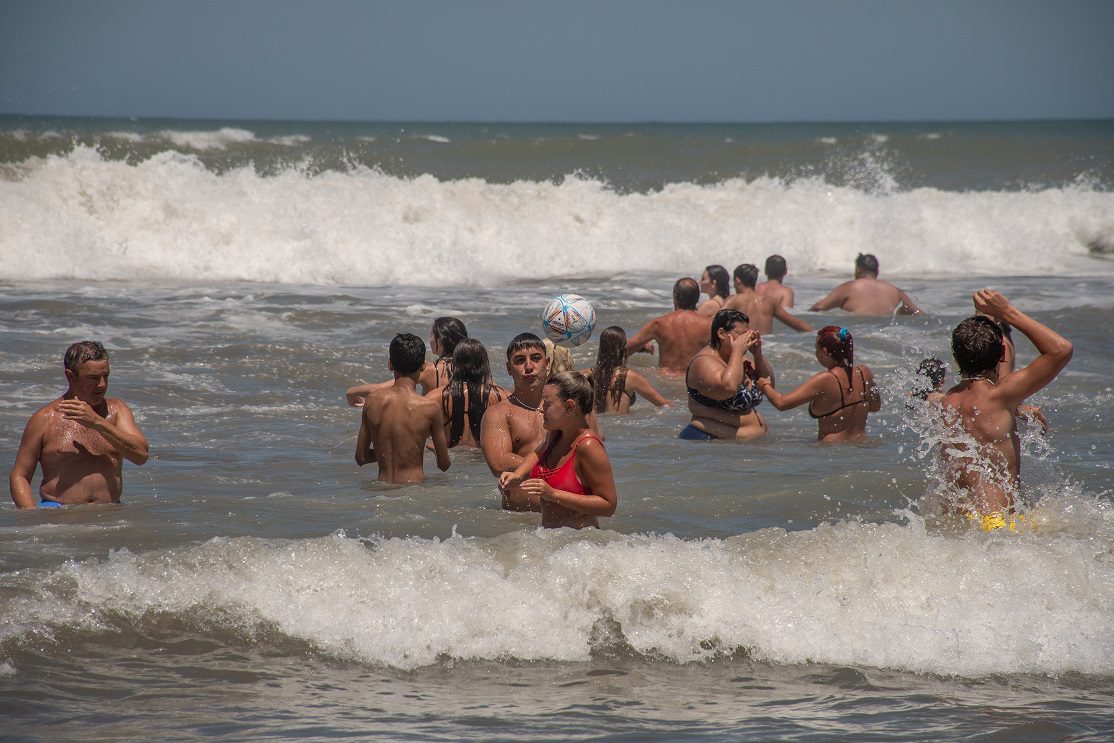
(255, 582)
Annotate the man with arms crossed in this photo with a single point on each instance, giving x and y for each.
(983, 406)
(866, 294)
(80, 439)
(396, 420)
(680, 333)
(512, 428)
(772, 286)
(760, 309)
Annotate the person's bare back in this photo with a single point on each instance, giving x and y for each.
(762, 311)
(866, 294)
(776, 291)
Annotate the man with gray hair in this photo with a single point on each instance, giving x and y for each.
(80, 439)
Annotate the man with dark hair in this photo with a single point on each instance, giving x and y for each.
(680, 333)
(760, 309)
(773, 287)
(396, 421)
(866, 294)
(985, 464)
(80, 439)
(512, 428)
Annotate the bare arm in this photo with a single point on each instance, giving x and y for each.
(836, 297)
(788, 297)
(646, 334)
(1055, 350)
(593, 468)
(364, 453)
(873, 395)
(357, 396)
(907, 306)
(124, 435)
(642, 386)
(803, 394)
(790, 319)
(440, 441)
(26, 461)
(496, 444)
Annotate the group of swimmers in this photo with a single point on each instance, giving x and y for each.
(541, 439)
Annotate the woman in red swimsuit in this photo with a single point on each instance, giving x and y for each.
(839, 398)
(569, 471)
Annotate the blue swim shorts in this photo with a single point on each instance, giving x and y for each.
(692, 433)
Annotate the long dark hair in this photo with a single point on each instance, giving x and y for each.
(719, 277)
(471, 371)
(840, 346)
(611, 356)
(449, 331)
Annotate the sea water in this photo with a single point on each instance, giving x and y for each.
(256, 582)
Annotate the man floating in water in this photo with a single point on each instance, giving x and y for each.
(80, 439)
(985, 465)
(866, 294)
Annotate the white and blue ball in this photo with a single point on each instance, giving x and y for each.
(568, 320)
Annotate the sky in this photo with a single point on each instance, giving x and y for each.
(559, 61)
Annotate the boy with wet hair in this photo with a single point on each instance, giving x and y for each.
(773, 287)
(396, 421)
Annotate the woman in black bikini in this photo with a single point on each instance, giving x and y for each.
(839, 398)
(468, 394)
(617, 385)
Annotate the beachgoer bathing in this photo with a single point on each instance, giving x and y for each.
(80, 439)
(773, 287)
(841, 397)
(617, 385)
(720, 381)
(569, 472)
(760, 309)
(714, 283)
(680, 333)
(396, 420)
(984, 464)
(931, 375)
(443, 337)
(468, 394)
(866, 294)
(560, 357)
(512, 428)
(1007, 365)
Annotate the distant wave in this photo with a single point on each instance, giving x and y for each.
(168, 217)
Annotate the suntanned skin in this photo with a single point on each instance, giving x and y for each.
(762, 310)
(866, 294)
(680, 334)
(512, 428)
(427, 382)
(717, 374)
(774, 289)
(394, 426)
(80, 440)
(714, 303)
(467, 440)
(985, 408)
(635, 383)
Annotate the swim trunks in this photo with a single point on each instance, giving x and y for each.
(997, 520)
(50, 504)
(692, 433)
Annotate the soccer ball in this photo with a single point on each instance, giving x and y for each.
(568, 320)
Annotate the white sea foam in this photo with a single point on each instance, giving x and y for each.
(880, 595)
(202, 140)
(169, 218)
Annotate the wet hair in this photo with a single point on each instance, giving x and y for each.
(448, 331)
(746, 274)
(83, 351)
(471, 371)
(407, 353)
(560, 358)
(775, 267)
(611, 356)
(576, 387)
(686, 293)
(523, 341)
(840, 346)
(867, 262)
(718, 275)
(932, 370)
(977, 345)
(726, 320)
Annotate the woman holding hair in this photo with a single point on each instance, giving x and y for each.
(616, 384)
(468, 394)
(841, 397)
(715, 282)
(720, 382)
(443, 337)
(569, 472)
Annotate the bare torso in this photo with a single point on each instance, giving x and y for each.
(868, 296)
(511, 432)
(78, 464)
(758, 308)
(681, 334)
(776, 291)
(399, 421)
(841, 413)
(987, 478)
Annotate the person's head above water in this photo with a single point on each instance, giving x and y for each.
(446, 333)
(83, 351)
(866, 265)
(726, 320)
(977, 346)
(523, 341)
(838, 343)
(471, 364)
(686, 293)
(576, 387)
(776, 268)
(718, 276)
(407, 353)
(746, 274)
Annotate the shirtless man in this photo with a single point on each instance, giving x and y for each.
(760, 309)
(866, 294)
(396, 420)
(680, 333)
(80, 439)
(512, 428)
(772, 286)
(983, 406)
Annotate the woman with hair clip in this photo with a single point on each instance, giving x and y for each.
(716, 283)
(569, 472)
(443, 337)
(468, 394)
(841, 397)
(617, 385)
